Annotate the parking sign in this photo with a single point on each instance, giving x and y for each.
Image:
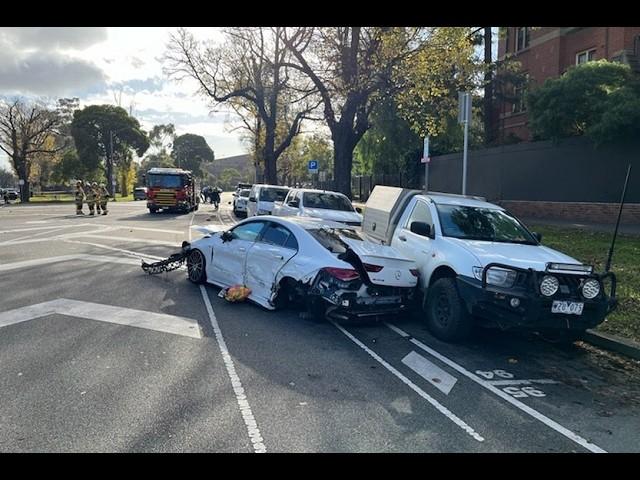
(313, 166)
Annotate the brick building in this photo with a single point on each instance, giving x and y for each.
(547, 52)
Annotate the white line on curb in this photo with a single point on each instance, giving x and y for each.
(441, 408)
(245, 409)
(505, 396)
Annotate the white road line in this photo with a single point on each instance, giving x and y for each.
(16, 230)
(543, 381)
(505, 396)
(430, 372)
(193, 215)
(159, 322)
(142, 256)
(126, 239)
(441, 408)
(66, 258)
(245, 409)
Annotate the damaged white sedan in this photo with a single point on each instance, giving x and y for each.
(325, 266)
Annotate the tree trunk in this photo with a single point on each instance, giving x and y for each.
(268, 154)
(110, 186)
(343, 162)
(488, 88)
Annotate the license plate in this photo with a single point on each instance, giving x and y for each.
(568, 308)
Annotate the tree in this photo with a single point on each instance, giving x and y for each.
(157, 160)
(189, 151)
(24, 130)
(598, 99)
(161, 138)
(351, 67)
(249, 72)
(106, 134)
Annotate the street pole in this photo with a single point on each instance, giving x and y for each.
(464, 156)
(110, 179)
(425, 159)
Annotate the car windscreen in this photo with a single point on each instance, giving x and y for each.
(244, 193)
(327, 201)
(165, 181)
(476, 223)
(329, 238)
(273, 194)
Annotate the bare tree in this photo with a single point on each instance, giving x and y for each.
(24, 129)
(249, 70)
(350, 67)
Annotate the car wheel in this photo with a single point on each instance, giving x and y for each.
(447, 317)
(196, 266)
(153, 210)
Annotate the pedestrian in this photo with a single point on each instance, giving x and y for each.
(96, 189)
(215, 197)
(80, 196)
(104, 198)
(91, 198)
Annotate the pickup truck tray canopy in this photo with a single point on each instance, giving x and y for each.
(384, 208)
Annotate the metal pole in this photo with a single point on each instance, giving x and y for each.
(615, 232)
(110, 180)
(425, 155)
(466, 142)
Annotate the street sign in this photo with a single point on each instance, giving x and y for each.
(21, 182)
(322, 176)
(313, 166)
(464, 107)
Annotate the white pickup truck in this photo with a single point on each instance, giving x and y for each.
(480, 265)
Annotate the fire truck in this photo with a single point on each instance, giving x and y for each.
(171, 189)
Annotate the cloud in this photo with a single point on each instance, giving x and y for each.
(30, 62)
(53, 38)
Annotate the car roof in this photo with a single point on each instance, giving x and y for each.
(313, 190)
(270, 186)
(466, 201)
(306, 223)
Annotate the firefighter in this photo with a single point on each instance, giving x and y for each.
(104, 198)
(96, 189)
(91, 198)
(80, 196)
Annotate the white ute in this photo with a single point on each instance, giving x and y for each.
(305, 202)
(320, 264)
(478, 263)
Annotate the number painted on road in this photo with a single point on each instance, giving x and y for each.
(492, 373)
(524, 392)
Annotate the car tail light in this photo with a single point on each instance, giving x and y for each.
(372, 268)
(415, 272)
(344, 274)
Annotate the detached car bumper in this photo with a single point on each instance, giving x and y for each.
(493, 306)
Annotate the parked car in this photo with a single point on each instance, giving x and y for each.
(480, 265)
(324, 265)
(240, 200)
(11, 194)
(261, 199)
(140, 193)
(323, 204)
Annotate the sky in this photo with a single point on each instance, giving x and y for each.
(112, 65)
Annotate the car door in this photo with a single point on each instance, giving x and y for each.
(412, 245)
(252, 205)
(275, 247)
(228, 258)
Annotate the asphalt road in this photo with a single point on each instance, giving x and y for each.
(98, 356)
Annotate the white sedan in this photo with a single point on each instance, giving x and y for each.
(324, 265)
(304, 202)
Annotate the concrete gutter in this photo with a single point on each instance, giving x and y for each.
(613, 343)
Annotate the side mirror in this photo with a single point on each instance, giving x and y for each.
(252, 199)
(235, 194)
(421, 228)
(295, 204)
(227, 236)
(358, 209)
(537, 236)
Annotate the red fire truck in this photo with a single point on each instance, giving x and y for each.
(171, 189)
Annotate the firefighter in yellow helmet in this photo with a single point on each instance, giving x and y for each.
(91, 198)
(104, 198)
(80, 196)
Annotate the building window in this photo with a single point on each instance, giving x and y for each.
(522, 38)
(519, 104)
(586, 56)
(506, 39)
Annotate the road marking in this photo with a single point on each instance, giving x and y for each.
(430, 372)
(67, 258)
(441, 408)
(126, 239)
(193, 215)
(28, 229)
(245, 409)
(160, 322)
(544, 381)
(142, 256)
(37, 221)
(505, 396)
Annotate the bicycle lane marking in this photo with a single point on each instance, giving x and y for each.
(438, 406)
(505, 396)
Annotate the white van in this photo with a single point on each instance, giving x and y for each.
(262, 197)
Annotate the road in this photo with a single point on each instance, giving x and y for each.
(97, 356)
